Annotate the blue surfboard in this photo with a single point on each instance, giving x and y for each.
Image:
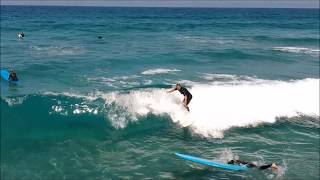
(5, 75)
(212, 163)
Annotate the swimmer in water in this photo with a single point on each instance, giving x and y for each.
(21, 35)
(13, 76)
(273, 166)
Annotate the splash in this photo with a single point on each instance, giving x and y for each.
(227, 155)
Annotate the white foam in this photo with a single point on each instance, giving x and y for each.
(218, 107)
(159, 71)
(206, 40)
(118, 81)
(226, 156)
(304, 50)
(147, 82)
(58, 50)
(226, 77)
(12, 101)
(90, 97)
(83, 108)
(282, 170)
(58, 109)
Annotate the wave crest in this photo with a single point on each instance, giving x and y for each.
(218, 107)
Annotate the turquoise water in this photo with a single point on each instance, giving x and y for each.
(90, 108)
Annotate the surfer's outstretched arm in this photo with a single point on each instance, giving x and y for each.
(266, 166)
(171, 90)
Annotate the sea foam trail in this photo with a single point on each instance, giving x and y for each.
(159, 71)
(304, 50)
(218, 107)
(57, 50)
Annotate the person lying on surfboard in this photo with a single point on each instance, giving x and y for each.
(13, 76)
(187, 95)
(273, 166)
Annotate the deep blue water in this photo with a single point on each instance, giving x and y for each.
(90, 108)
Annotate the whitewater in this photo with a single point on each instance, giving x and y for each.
(215, 107)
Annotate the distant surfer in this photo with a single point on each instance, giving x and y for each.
(187, 95)
(273, 166)
(99, 37)
(13, 76)
(21, 35)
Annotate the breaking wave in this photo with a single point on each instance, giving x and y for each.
(218, 107)
(215, 107)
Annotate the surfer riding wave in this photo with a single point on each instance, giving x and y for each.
(187, 95)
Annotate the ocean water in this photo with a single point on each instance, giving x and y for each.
(90, 108)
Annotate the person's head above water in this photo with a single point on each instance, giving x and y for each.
(178, 86)
(21, 35)
(13, 76)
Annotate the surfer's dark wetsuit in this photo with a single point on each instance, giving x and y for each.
(185, 92)
(249, 164)
(13, 76)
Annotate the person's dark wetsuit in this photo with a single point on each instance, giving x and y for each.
(13, 77)
(185, 92)
(249, 164)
